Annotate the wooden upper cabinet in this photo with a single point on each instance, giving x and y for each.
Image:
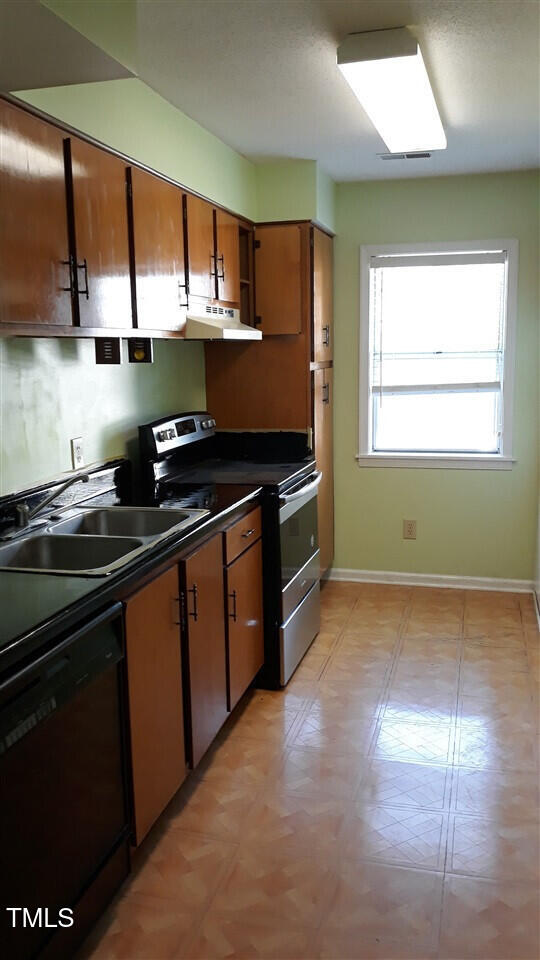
(34, 251)
(323, 296)
(101, 237)
(158, 252)
(228, 257)
(322, 426)
(281, 277)
(201, 248)
(154, 673)
(203, 598)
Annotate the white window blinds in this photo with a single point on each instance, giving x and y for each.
(436, 342)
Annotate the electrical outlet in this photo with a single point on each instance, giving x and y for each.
(409, 529)
(77, 454)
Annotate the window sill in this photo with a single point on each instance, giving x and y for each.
(436, 462)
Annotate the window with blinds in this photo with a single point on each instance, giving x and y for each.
(436, 351)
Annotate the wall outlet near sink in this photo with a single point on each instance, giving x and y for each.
(409, 529)
(77, 453)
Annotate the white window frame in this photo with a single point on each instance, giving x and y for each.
(500, 461)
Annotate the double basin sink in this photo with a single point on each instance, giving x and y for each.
(94, 541)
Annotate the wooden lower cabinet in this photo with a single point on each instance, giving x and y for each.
(204, 645)
(154, 674)
(322, 425)
(245, 638)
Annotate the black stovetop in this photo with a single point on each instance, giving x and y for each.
(217, 470)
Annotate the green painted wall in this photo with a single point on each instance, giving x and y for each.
(326, 199)
(470, 523)
(286, 190)
(110, 25)
(129, 116)
(294, 190)
(52, 390)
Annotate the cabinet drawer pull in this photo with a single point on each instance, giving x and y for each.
(233, 598)
(195, 612)
(326, 335)
(248, 533)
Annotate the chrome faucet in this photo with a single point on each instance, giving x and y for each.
(25, 515)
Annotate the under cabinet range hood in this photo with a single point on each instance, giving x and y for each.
(218, 323)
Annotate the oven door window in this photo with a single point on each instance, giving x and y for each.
(298, 539)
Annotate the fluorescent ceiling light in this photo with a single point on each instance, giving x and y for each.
(387, 73)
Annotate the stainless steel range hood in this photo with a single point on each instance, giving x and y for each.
(218, 323)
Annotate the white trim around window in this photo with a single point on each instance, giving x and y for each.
(412, 254)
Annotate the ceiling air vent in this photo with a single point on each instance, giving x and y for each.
(404, 156)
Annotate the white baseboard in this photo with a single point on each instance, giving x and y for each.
(431, 580)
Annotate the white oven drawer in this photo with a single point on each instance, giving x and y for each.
(300, 584)
(298, 632)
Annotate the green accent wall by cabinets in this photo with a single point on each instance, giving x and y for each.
(470, 522)
(128, 116)
(52, 390)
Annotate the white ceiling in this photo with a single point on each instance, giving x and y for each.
(39, 50)
(262, 75)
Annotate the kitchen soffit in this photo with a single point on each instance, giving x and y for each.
(262, 75)
(39, 50)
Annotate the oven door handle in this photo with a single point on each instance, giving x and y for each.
(306, 488)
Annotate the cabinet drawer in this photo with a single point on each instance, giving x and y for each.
(242, 534)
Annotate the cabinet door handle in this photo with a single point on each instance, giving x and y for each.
(326, 393)
(213, 263)
(68, 263)
(248, 533)
(182, 286)
(178, 623)
(84, 266)
(195, 612)
(326, 335)
(221, 276)
(233, 598)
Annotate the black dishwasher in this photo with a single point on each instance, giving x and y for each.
(63, 797)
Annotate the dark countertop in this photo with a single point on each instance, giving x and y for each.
(36, 607)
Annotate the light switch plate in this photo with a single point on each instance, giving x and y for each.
(77, 454)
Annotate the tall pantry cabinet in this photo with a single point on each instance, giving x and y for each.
(285, 381)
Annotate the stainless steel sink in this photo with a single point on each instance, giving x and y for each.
(122, 522)
(94, 541)
(88, 556)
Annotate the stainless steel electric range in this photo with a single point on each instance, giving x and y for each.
(184, 456)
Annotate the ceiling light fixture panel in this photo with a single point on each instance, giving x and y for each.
(386, 71)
